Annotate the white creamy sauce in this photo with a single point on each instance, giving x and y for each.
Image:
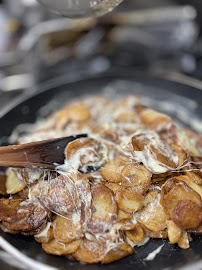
(144, 241)
(76, 217)
(153, 254)
(149, 162)
(44, 232)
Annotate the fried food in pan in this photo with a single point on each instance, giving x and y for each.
(137, 175)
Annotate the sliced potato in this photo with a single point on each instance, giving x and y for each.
(150, 197)
(114, 187)
(155, 120)
(122, 215)
(9, 208)
(161, 234)
(187, 214)
(191, 183)
(85, 197)
(139, 142)
(7, 230)
(153, 216)
(136, 235)
(112, 170)
(174, 232)
(129, 200)
(117, 252)
(39, 190)
(84, 153)
(188, 141)
(21, 215)
(104, 208)
(195, 177)
(46, 235)
(136, 176)
(196, 230)
(78, 112)
(62, 195)
(164, 154)
(65, 230)
(181, 203)
(56, 248)
(183, 242)
(126, 117)
(182, 155)
(13, 184)
(90, 252)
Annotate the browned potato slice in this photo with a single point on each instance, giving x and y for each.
(157, 149)
(90, 252)
(22, 215)
(150, 197)
(160, 178)
(112, 170)
(182, 155)
(187, 214)
(139, 142)
(184, 240)
(196, 230)
(84, 152)
(30, 175)
(65, 230)
(110, 136)
(189, 140)
(13, 184)
(62, 195)
(84, 193)
(39, 190)
(195, 177)
(160, 153)
(122, 215)
(114, 187)
(78, 112)
(136, 176)
(126, 117)
(104, 208)
(117, 252)
(161, 234)
(7, 230)
(181, 203)
(129, 200)
(3, 184)
(174, 232)
(75, 112)
(9, 208)
(155, 120)
(35, 231)
(124, 225)
(56, 248)
(46, 235)
(22, 195)
(153, 216)
(136, 235)
(191, 183)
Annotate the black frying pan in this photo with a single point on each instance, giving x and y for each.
(171, 256)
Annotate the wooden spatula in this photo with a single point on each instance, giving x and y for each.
(46, 154)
